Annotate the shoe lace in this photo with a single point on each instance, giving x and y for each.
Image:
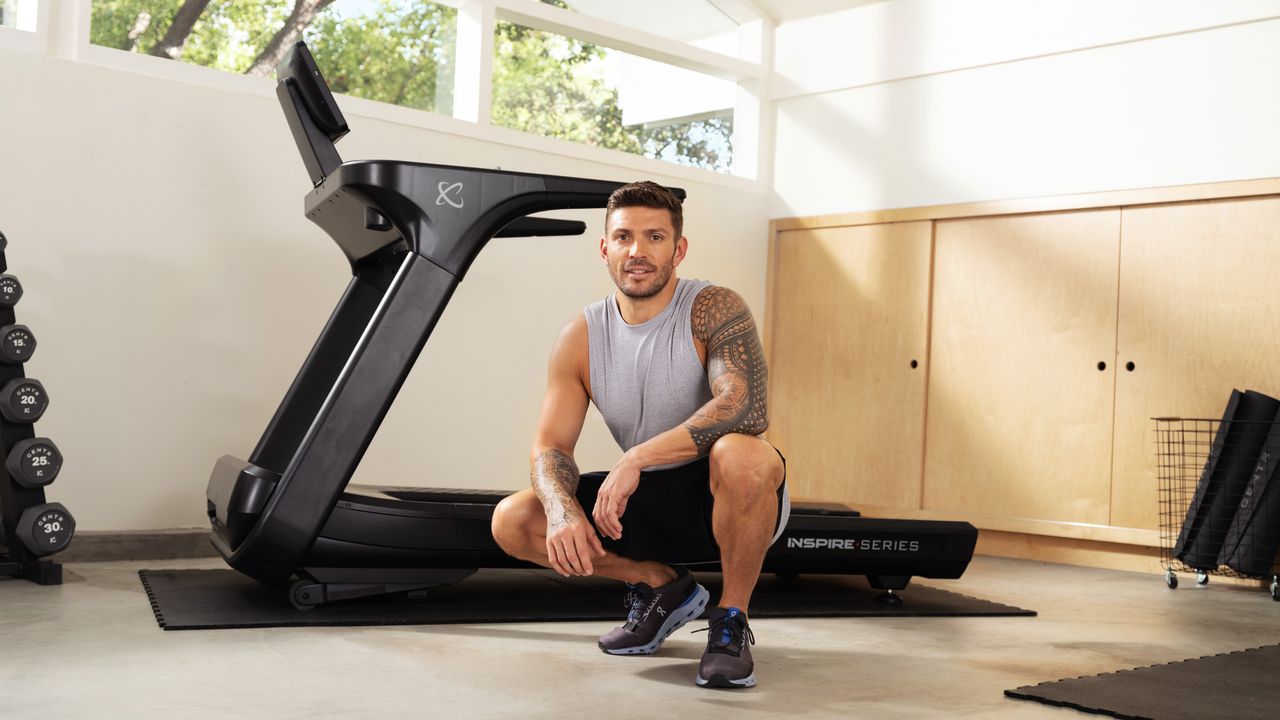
(729, 632)
(637, 603)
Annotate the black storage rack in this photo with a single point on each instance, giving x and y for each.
(1193, 455)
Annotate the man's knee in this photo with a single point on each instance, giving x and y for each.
(515, 521)
(744, 465)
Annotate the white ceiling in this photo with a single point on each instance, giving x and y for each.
(781, 11)
(694, 19)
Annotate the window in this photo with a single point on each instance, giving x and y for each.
(18, 14)
(566, 88)
(672, 80)
(396, 51)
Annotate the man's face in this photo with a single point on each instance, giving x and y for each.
(640, 249)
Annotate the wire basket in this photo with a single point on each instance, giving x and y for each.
(1219, 499)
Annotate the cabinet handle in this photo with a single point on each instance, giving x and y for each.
(1129, 366)
(914, 364)
(1102, 366)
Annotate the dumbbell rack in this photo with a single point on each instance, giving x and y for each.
(49, 526)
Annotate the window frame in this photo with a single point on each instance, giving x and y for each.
(67, 36)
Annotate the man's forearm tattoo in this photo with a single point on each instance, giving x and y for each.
(555, 479)
(735, 368)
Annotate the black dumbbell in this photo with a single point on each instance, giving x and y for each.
(46, 529)
(10, 290)
(23, 400)
(4, 242)
(16, 344)
(34, 462)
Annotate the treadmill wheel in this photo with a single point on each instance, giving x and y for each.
(305, 594)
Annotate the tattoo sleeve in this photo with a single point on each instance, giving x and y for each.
(735, 368)
(555, 479)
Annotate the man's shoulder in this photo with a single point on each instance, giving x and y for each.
(715, 305)
(574, 332)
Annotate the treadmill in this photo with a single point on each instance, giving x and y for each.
(410, 232)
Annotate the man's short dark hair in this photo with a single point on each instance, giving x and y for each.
(647, 193)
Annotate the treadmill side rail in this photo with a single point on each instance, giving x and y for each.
(345, 423)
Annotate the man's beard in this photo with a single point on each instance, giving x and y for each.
(661, 276)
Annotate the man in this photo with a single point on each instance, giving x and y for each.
(676, 369)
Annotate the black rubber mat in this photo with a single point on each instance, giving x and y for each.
(1239, 685)
(209, 599)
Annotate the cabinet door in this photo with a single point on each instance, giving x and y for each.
(849, 314)
(1199, 315)
(1020, 417)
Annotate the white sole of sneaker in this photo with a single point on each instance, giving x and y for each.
(720, 681)
(689, 610)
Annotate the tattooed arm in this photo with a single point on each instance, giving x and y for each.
(723, 326)
(571, 541)
(736, 369)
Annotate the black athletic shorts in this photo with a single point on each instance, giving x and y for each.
(668, 519)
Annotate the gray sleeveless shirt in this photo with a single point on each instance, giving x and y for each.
(646, 378)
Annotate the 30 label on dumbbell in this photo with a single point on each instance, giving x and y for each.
(34, 462)
(23, 400)
(46, 529)
(10, 290)
(16, 344)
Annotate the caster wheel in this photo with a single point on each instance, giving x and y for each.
(1171, 580)
(305, 595)
(1275, 588)
(1202, 577)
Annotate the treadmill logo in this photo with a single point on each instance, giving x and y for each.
(866, 545)
(447, 193)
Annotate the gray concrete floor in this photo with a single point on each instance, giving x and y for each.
(91, 649)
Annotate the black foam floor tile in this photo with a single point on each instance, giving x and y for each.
(1239, 685)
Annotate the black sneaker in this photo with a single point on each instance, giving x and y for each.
(655, 613)
(727, 663)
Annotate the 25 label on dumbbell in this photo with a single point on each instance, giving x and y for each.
(34, 462)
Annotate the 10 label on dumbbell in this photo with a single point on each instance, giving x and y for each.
(16, 343)
(10, 290)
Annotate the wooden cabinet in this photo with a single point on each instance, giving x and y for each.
(1019, 418)
(1024, 415)
(849, 314)
(1199, 314)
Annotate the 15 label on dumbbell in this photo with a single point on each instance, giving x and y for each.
(16, 344)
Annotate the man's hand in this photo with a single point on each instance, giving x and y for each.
(571, 543)
(611, 501)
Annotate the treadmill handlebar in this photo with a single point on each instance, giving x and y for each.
(445, 213)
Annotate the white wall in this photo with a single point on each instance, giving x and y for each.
(174, 288)
(920, 102)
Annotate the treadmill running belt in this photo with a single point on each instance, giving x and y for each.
(1240, 685)
(213, 599)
